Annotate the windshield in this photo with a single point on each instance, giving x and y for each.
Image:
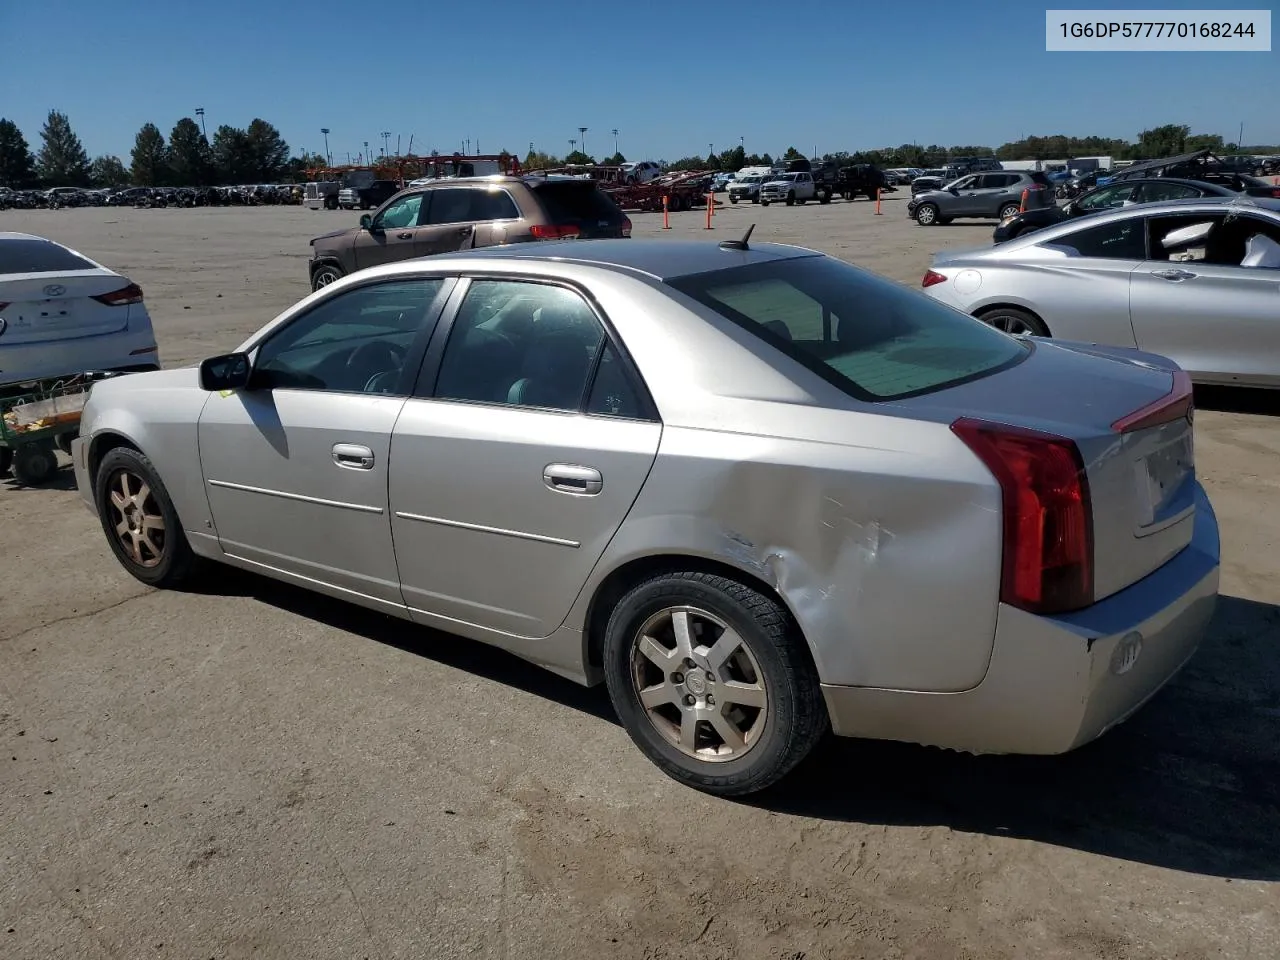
(871, 337)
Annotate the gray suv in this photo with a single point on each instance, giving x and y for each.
(992, 195)
(461, 213)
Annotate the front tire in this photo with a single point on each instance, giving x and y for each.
(926, 214)
(713, 682)
(324, 276)
(791, 199)
(140, 521)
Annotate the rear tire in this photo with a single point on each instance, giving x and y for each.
(34, 464)
(140, 522)
(1009, 210)
(1015, 322)
(689, 638)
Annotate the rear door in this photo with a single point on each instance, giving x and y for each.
(392, 235)
(1212, 316)
(448, 223)
(513, 466)
(582, 204)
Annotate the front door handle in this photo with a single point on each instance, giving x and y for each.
(571, 478)
(406, 235)
(352, 456)
(1173, 274)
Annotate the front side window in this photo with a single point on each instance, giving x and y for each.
(1108, 197)
(354, 342)
(1155, 192)
(1118, 240)
(869, 336)
(520, 343)
(402, 213)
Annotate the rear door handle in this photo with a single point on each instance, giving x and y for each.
(352, 456)
(574, 479)
(407, 235)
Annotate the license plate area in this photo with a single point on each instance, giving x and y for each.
(1165, 481)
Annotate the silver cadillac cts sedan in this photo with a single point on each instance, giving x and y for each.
(756, 491)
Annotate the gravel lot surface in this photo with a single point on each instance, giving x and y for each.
(254, 771)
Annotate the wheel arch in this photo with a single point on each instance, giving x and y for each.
(981, 312)
(622, 578)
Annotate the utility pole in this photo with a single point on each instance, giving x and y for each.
(583, 132)
(200, 114)
(327, 158)
(615, 141)
(1240, 138)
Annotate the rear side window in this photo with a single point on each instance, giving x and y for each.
(869, 336)
(1038, 177)
(1118, 240)
(576, 202)
(39, 256)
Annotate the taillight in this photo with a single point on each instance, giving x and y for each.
(554, 231)
(119, 298)
(626, 226)
(931, 277)
(1047, 562)
(1177, 404)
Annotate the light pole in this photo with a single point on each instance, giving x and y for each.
(615, 141)
(386, 141)
(572, 144)
(583, 132)
(366, 158)
(200, 114)
(327, 159)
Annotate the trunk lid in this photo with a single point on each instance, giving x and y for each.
(41, 307)
(1141, 470)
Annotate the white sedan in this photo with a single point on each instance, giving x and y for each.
(62, 313)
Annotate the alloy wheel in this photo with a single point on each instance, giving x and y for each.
(699, 683)
(1015, 326)
(137, 520)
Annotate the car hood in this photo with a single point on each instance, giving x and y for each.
(118, 386)
(329, 236)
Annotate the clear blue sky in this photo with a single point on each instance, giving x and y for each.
(835, 75)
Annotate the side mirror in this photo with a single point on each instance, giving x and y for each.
(366, 222)
(227, 372)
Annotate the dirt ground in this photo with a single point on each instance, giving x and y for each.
(254, 771)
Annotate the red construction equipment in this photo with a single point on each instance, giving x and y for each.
(406, 168)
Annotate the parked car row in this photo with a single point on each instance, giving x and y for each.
(238, 196)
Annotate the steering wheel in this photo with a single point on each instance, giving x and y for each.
(372, 359)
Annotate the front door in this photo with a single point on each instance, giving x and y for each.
(968, 202)
(295, 467)
(392, 234)
(1212, 316)
(512, 471)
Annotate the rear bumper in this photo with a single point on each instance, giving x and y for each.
(1055, 683)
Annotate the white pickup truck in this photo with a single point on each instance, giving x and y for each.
(790, 188)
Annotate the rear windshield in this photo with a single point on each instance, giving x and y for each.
(573, 202)
(870, 337)
(39, 256)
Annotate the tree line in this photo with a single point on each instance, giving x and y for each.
(258, 154)
(236, 155)
(1164, 141)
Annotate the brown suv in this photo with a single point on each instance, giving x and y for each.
(461, 213)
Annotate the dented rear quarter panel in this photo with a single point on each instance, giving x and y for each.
(885, 546)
